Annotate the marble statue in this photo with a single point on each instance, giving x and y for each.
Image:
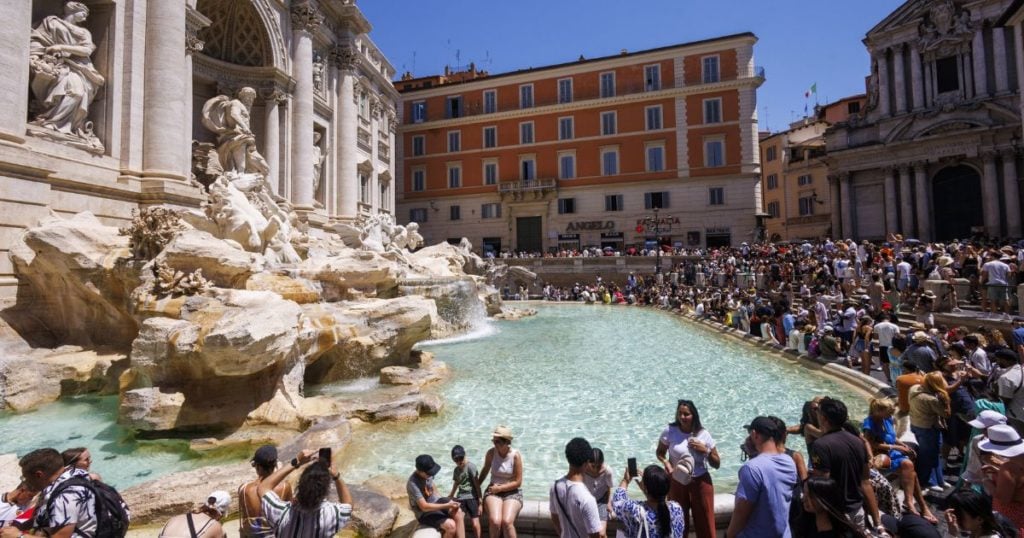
(319, 156)
(236, 144)
(64, 81)
(413, 240)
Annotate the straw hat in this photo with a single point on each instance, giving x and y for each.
(502, 432)
(943, 261)
(920, 336)
(929, 294)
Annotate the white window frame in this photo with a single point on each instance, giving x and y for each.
(704, 72)
(572, 128)
(647, 155)
(458, 140)
(423, 145)
(648, 87)
(620, 202)
(561, 206)
(704, 108)
(494, 97)
(647, 117)
(523, 159)
(496, 214)
(707, 154)
(615, 122)
(419, 111)
(532, 100)
(809, 205)
(561, 169)
(600, 84)
(483, 136)
(422, 171)
(483, 171)
(522, 130)
(448, 106)
(618, 165)
(457, 168)
(562, 98)
(710, 198)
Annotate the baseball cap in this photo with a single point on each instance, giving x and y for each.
(458, 452)
(426, 464)
(265, 456)
(764, 426)
(220, 501)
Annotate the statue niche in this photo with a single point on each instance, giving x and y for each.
(64, 80)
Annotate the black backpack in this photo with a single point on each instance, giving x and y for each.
(111, 511)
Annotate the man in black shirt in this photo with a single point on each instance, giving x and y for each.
(842, 456)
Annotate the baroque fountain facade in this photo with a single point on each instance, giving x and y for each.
(198, 202)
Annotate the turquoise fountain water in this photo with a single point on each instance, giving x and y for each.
(92, 422)
(611, 374)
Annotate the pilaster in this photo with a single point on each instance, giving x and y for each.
(14, 41)
(883, 82)
(923, 201)
(891, 218)
(916, 79)
(899, 76)
(834, 206)
(344, 57)
(272, 137)
(1011, 193)
(999, 63)
(846, 201)
(165, 101)
(978, 61)
(306, 18)
(990, 193)
(906, 198)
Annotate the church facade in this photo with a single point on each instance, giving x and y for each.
(937, 151)
(105, 108)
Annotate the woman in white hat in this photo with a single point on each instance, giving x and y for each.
(1004, 476)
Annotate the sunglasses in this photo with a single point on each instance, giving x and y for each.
(500, 441)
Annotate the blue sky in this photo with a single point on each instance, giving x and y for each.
(800, 41)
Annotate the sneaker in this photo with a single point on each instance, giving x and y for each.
(936, 489)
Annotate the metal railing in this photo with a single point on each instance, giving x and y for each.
(527, 185)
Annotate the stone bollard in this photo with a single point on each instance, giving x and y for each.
(941, 289)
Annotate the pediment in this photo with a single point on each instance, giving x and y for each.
(365, 167)
(938, 22)
(912, 11)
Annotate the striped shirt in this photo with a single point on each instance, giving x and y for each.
(290, 521)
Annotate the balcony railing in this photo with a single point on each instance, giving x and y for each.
(527, 189)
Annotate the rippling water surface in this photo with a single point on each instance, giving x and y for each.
(611, 374)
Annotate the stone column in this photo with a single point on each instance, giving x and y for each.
(883, 83)
(272, 137)
(906, 209)
(999, 63)
(990, 193)
(900, 82)
(1018, 47)
(166, 98)
(1011, 193)
(834, 206)
(345, 57)
(916, 79)
(978, 60)
(305, 20)
(923, 202)
(194, 21)
(846, 201)
(14, 41)
(891, 220)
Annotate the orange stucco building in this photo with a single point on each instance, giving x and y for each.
(578, 154)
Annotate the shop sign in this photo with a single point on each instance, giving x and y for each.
(662, 222)
(592, 225)
(568, 237)
(718, 230)
(611, 235)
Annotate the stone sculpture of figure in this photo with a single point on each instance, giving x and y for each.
(319, 155)
(413, 238)
(236, 144)
(873, 86)
(64, 80)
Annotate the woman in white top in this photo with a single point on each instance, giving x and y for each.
(503, 497)
(599, 481)
(687, 435)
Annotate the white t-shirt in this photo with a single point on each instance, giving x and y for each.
(580, 517)
(677, 442)
(1010, 388)
(885, 331)
(903, 269)
(601, 485)
(849, 319)
(997, 272)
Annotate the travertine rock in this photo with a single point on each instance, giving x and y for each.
(293, 289)
(358, 338)
(398, 404)
(401, 375)
(43, 376)
(76, 283)
(351, 273)
(224, 265)
(157, 500)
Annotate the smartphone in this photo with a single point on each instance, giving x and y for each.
(325, 455)
(631, 465)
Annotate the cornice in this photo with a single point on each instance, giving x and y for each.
(601, 102)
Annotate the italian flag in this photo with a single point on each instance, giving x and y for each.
(813, 89)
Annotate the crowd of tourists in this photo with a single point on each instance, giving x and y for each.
(857, 479)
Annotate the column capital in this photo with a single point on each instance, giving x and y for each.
(275, 95)
(919, 165)
(989, 154)
(344, 56)
(890, 168)
(1008, 151)
(905, 168)
(306, 17)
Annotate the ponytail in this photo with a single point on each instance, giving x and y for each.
(664, 519)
